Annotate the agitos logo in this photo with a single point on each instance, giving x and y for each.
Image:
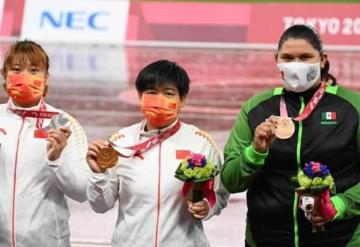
(75, 20)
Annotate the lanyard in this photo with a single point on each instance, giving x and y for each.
(309, 108)
(146, 145)
(40, 114)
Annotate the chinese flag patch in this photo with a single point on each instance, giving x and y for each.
(182, 154)
(39, 133)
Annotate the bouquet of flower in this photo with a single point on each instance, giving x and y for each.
(313, 184)
(197, 173)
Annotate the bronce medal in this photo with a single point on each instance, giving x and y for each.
(285, 128)
(107, 158)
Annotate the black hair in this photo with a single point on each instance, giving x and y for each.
(312, 36)
(160, 73)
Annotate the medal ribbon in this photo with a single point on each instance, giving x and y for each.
(146, 145)
(40, 114)
(309, 108)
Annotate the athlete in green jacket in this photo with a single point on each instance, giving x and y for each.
(327, 131)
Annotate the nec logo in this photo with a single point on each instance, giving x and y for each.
(75, 20)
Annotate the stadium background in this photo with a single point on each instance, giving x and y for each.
(97, 47)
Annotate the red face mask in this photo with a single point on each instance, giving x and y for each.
(25, 89)
(158, 110)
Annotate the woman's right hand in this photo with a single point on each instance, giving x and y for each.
(264, 135)
(92, 153)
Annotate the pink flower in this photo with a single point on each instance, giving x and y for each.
(197, 159)
(316, 167)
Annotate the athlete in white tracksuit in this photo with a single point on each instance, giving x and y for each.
(33, 208)
(42, 155)
(152, 210)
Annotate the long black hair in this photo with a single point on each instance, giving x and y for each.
(312, 36)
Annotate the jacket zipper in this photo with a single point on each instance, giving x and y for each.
(298, 161)
(13, 237)
(158, 200)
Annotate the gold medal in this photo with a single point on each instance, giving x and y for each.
(285, 128)
(107, 158)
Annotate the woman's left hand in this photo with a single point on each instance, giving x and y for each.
(57, 140)
(199, 210)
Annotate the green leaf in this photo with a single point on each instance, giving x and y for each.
(318, 188)
(182, 177)
(178, 169)
(295, 182)
(201, 180)
(302, 189)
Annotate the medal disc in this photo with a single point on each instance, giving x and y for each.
(107, 158)
(285, 128)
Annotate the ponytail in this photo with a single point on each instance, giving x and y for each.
(326, 76)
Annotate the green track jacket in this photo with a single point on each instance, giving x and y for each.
(273, 217)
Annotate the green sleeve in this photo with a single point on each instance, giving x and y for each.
(241, 161)
(347, 203)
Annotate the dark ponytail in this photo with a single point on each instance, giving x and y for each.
(309, 34)
(326, 76)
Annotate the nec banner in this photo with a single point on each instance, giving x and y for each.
(120, 21)
(75, 21)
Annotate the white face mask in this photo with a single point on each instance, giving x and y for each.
(299, 77)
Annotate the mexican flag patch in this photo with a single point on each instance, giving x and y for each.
(328, 115)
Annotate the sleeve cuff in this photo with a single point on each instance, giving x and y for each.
(99, 177)
(340, 207)
(99, 180)
(54, 163)
(211, 210)
(255, 157)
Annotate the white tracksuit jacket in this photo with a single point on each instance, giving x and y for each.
(152, 211)
(33, 208)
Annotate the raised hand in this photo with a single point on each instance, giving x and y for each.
(57, 140)
(264, 134)
(92, 153)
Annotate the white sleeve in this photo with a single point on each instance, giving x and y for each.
(71, 170)
(103, 190)
(221, 192)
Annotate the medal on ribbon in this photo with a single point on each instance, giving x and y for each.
(286, 127)
(57, 121)
(107, 158)
(138, 149)
(40, 115)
